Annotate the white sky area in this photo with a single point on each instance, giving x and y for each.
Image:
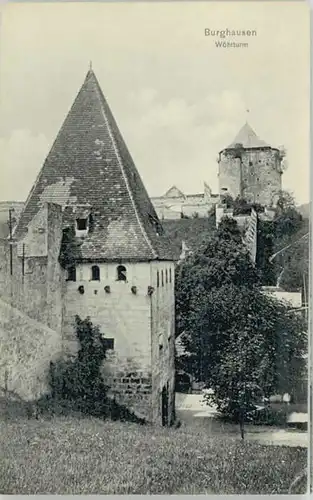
(178, 100)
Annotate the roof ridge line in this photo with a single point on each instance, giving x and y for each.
(123, 173)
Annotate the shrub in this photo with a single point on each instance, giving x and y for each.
(77, 385)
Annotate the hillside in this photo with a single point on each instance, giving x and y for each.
(68, 456)
(191, 231)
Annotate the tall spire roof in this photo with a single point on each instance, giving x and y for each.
(89, 167)
(248, 138)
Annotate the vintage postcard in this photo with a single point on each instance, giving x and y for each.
(154, 248)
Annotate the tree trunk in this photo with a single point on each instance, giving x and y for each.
(241, 423)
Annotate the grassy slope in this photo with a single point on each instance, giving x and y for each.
(192, 231)
(73, 456)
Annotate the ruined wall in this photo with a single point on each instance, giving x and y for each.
(163, 338)
(171, 208)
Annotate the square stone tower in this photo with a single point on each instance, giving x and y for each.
(115, 263)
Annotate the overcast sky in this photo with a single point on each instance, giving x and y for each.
(177, 98)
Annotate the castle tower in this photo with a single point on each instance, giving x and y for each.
(116, 265)
(250, 168)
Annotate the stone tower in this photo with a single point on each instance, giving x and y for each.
(89, 210)
(250, 168)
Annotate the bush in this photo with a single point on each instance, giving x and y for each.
(77, 386)
(78, 381)
(269, 416)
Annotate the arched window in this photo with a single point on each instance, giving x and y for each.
(166, 276)
(95, 273)
(121, 273)
(158, 278)
(170, 275)
(71, 273)
(162, 277)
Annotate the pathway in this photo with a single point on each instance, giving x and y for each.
(191, 410)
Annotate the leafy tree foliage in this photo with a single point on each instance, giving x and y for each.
(237, 339)
(287, 227)
(295, 273)
(79, 380)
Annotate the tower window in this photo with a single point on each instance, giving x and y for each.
(121, 273)
(170, 275)
(162, 277)
(158, 279)
(95, 273)
(81, 224)
(71, 273)
(166, 276)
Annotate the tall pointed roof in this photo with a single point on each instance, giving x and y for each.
(248, 138)
(89, 166)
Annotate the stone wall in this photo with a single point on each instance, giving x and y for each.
(163, 338)
(26, 348)
(31, 305)
(131, 318)
(229, 175)
(256, 176)
(39, 307)
(172, 207)
(261, 176)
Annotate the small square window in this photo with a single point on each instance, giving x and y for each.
(71, 273)
(81, 224)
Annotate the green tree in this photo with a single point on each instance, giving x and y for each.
(287, 227)
(285, 201)
(237, 339)
(79, 380)
(242, 206)
(295, 274)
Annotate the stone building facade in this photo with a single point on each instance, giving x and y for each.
(250, 168)
(89, 243)
(174, 203)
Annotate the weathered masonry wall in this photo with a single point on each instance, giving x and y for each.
(172, 207)
(38, 307)
(138, 320)
(229, 175)
(163, 338)
(26, 348)
(121, 315)
(31, 305)
(256, 176)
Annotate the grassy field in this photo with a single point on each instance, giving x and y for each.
(80, 456)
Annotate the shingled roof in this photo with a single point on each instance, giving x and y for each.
(248, 138)
(90, 167)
